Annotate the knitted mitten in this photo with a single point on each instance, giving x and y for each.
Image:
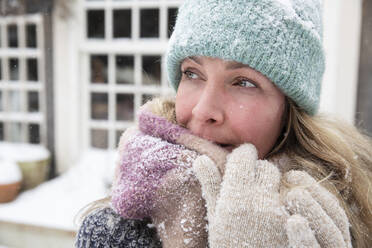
(245, 208)
(154, 179)
(322, 210)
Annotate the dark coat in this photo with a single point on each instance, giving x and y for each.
(104, 228)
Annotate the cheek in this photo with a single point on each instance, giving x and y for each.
(184, 105)
(259, 125)
(247, 122)
(181, 113)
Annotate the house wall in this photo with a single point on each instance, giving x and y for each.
(67, 91)
(342, 25)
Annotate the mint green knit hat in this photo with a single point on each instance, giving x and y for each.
(282, 39)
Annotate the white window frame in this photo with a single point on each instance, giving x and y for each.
(22, 53)
(134, 46)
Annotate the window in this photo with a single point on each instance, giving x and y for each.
(124, 69)
(12, 32)
(172, 14)
(96, 23)
(149, 23)
(123, 50)
(122, 23)
(22, 114)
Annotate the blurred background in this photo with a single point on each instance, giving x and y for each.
(73, 74)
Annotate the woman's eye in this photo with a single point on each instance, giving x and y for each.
(245, 83)
(190, 74)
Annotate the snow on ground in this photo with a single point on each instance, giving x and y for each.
(55, 203)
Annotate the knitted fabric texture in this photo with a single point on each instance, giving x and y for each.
(250, 206)
(282, 39)
(105, 228)
(147, 154)
(154, 178)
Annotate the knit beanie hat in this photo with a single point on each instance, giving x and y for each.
(282, 39)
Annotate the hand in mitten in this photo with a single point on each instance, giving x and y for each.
(320, 209)
(154, 179)
(245, 209)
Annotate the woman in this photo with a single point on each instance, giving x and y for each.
(243, 136)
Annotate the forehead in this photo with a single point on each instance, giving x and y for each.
(229, 64)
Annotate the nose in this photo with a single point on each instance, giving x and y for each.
(209, 107)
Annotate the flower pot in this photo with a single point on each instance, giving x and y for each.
(34, 173)
(10, 180)
(32, 160)
(8, 192)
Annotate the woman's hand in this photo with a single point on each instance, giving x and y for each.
(154, 179)
(245, 208)
(325, 216)
(154, 176)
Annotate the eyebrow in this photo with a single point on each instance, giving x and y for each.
(235, 65)
(195, 59)
(230, 65)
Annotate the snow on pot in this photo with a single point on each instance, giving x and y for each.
(33, 160)
(10, 180)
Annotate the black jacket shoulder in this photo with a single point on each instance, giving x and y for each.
(104, 228)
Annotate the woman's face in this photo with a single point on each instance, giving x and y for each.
(229, 103)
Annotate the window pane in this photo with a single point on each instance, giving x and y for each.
(99, 138)
(122, 23)
(147, 97)
(98, 68)
(34, 133)
(1, 131)
(33, 101)
(12, 35)
(149, 23)
(32, 74)
(13, 69)
(96, 24)
(125, 107)
(31, 35)
(99, 106)
(125, 69)
(151, 70)
(15, 132)
(1, 101)
(118, 135)
(14, 101)
(172, 14)
(1, 70)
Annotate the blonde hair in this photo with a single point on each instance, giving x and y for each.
(339, 156)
